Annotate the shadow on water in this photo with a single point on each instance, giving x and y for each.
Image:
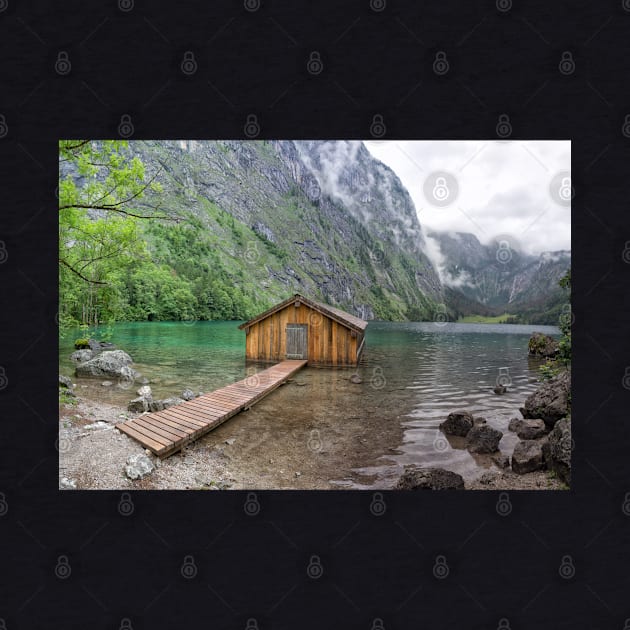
(413, 374)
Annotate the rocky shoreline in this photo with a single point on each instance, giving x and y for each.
(94, 456)
(543, 451)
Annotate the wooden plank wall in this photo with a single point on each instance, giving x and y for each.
(329, 343)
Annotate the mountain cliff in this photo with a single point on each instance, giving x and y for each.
(323, 218)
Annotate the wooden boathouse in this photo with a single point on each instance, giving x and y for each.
(301, 328)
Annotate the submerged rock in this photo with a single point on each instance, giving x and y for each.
(458, 423)
(528, 456)
(139, 466)
(81, 356)
(415, 478)
(356, 379)
(542, 345)
(550, 401)
(557, 450)
(483, 439)
(188, 394)
(500, 389)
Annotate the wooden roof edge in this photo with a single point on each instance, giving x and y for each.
(330, 311)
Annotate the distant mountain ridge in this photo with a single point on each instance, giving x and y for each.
(498, 277)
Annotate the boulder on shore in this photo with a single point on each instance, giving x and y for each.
(542, 345)
(515, 424)
(415, 478)
(458, 423)
(139, 466)
(557, 450)
(550, 401)
(528, 456)
(531, 429)
(483, 439)
(144, 391)
(65, 381)
(170, 402)
(108, 363)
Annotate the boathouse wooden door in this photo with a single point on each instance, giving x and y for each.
(297, 341)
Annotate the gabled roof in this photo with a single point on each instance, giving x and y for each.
(341, 317)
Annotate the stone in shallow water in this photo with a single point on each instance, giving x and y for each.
(457, 423)
(414, 478)
(138, 405)
(144, 391)
(483, 439)
(188, 394)
(356, 379)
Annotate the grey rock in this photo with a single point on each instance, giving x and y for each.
(98, 346)
(98, 425)
(515, 424)
(67, 484)
(557, 450)
(479, 420)
(138, 405)
(501, 460)
(458, 423)
(156, 405)
(188, 394)
(531, 429)
(550, 401)
(106, 384)
(356, 379)
(415, 478)
(230, 441)
(65, 381)
(108, 363)
(144, 391)
(528, 456)
(483, 439)
(139, 466)
(81, 356)
(500, 389)
(542, 345)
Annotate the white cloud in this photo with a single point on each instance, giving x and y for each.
(503, 187)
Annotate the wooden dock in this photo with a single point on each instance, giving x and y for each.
(168, 431)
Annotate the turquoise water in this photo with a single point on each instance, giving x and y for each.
(413, 375)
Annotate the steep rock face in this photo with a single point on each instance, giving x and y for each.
(497, 277)
(319, 217)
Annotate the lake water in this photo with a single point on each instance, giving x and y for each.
(413, 374)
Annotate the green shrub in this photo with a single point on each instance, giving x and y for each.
(82, 344)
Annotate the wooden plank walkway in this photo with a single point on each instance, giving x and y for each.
(165, 432)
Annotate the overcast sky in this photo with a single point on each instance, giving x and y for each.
(495, 187)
